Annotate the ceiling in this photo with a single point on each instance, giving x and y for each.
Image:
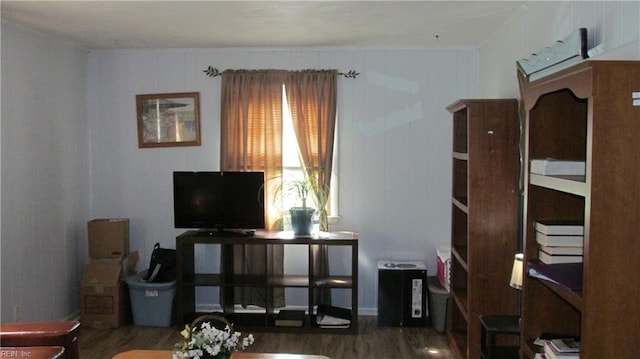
(272, 24)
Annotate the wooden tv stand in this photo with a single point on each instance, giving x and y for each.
(219, 275)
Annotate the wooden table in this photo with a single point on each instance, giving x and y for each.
(245, 355)
(32, 352)
(144, 354)
(165, 354)
(36, 334)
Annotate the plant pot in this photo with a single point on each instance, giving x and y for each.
(302, 220)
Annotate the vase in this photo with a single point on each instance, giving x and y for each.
(302, 221)
(219, 356)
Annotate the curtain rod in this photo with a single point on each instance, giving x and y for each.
(214, 72)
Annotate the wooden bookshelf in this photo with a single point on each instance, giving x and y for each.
(586, 113)
(219, 274)
(484, 210)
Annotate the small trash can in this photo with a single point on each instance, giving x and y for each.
(151, 303)
(438, 301)
(402, 294)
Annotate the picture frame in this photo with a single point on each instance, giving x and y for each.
(168, 119)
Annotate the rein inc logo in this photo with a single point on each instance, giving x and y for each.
(17, 353)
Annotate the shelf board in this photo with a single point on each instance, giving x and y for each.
(333, 282)
(573, 298)
(460, 253)
(461, 156)
(215, 280)
(460, 298)
(264, 322)
(461, 203)
(569, 184)
(202, 280)
(289, 281)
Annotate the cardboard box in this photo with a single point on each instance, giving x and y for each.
(108, 237)
(104, 296)
(128, 263)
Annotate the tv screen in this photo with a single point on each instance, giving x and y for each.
(218, 200)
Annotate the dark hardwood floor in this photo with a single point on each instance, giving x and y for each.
(372, 342)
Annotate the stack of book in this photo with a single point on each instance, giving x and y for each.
(290, 318)
(560, 242)
(562, 349)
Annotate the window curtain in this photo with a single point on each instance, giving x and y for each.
(312, 97)
(251, 140)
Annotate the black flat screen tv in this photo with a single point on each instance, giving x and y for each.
(218, 201)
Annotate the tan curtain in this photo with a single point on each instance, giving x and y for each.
(251, 140)
(312, 97)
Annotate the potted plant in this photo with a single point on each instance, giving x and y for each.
(305, 190)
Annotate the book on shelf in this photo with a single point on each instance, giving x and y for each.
(565, 228)
(290, 318)
(559, 240)
(551, 353)
(547, 258)
(568, 275)
(328, 316)
(562, 250)
(547, 337)
(556, 167)
(565, 345)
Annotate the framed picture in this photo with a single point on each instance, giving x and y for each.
(168, 120)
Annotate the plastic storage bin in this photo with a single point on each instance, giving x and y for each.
(151, 303)
(438, 301)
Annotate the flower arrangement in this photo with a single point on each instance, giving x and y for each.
(210, 342)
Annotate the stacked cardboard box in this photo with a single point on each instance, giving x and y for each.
(103, 291)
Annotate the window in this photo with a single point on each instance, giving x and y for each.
(252, 128)
(292, 166)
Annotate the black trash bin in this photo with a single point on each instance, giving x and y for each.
(402, 293)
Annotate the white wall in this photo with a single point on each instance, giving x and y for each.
(615, 24)
(394, 142)
(45, 175)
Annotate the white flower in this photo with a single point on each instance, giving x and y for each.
(215, 342)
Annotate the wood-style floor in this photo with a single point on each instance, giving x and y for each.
(372, 342)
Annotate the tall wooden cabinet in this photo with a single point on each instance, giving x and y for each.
(484, 214)
(587, 112)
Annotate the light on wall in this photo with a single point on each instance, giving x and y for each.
(516, 273)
